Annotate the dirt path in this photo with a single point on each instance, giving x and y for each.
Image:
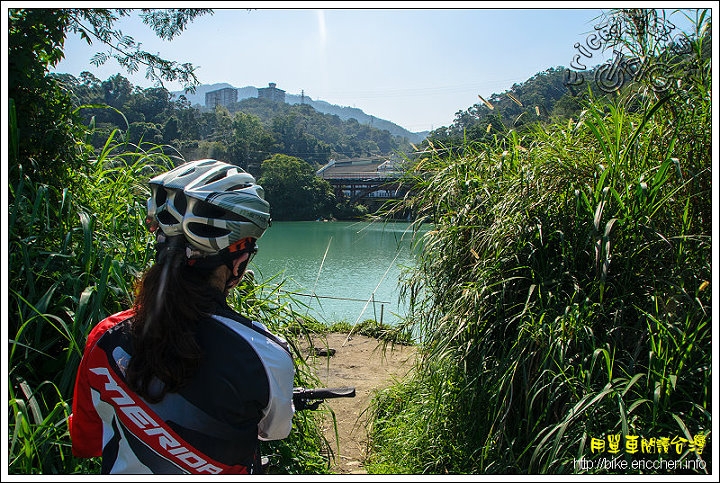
(360, 362)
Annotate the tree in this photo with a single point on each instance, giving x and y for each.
(152, 104)
(116, 93)
(250, 143)
(294, 191)
(96, 24)
(170, 130)
(190, 123)
(144, 132)
(42, 113)
(42, 122)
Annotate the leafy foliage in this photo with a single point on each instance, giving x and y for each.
(562, 295)
(246, 133)
(293, 190)
(43, 109)
(77, 240)
(97, 25)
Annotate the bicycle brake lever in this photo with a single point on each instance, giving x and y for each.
(313, 405)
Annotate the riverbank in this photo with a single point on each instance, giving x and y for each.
(362, 362)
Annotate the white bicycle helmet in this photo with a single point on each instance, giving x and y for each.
(167, 203)
(213, 204)
(224, 205)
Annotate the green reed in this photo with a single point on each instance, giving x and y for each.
(75, 254)
(562, 297)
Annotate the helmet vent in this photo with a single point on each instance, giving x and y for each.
(207, 231)
(217, 177)
(160, 196)
(166, 218)
(239, 187)
(180, 202)
(206, 210)
(190, 170)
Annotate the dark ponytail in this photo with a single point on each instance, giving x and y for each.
(171, 298)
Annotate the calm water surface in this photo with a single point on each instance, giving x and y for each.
(341, 270)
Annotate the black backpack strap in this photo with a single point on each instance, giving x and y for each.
(260, 463)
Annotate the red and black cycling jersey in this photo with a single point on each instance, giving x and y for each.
(241, 393)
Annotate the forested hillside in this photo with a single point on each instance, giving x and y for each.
(556, 96)
(245, 133)
(253, 129)
(343, 112)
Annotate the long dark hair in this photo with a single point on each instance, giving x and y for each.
(171, 298)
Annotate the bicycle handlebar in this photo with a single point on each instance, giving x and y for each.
(311, 398)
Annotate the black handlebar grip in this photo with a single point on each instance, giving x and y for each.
(330, 392)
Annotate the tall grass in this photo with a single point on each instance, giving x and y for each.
(75, 253)
(562, 298)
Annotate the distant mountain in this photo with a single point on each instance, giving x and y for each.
(343, 112)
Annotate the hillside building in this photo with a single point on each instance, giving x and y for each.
(221, 97)
(272, 93)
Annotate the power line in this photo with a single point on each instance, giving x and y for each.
(329, 297)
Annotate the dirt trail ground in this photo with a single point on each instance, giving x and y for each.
(360, 362)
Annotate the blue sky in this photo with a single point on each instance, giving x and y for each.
(415, 67)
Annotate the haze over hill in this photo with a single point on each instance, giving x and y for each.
(343, 112)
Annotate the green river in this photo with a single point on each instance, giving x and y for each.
(340, 270)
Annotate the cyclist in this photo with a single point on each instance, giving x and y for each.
(179, 382)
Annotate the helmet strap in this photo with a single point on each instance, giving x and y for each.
(227, 257)
(234, 279)
(168, 249)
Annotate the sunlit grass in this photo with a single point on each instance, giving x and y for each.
(561, 297)
(75, 254)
